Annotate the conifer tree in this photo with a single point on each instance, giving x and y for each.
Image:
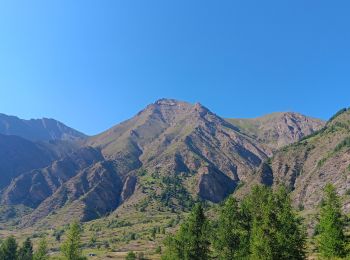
(331, 238)
(174, 249)
(71, 248)
(9, 249)
(263, 226)
(42, 251)
(276, 231)
(258, 206)
(290, 234)
(26, 251)
(232, 236)
(195, 234)
(192, 240)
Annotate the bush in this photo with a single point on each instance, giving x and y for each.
(158, 250)
(342, 144)
(130, 256)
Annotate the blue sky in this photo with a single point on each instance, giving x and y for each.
(92, 64)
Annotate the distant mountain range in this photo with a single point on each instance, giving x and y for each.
(166, 157)
(31, 144)
(37, 129)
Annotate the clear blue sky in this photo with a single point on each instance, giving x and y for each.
(92, 64)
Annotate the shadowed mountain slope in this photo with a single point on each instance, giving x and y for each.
(37, 129)
(18, 155)
(33, 187)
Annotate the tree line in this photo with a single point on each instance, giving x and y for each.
(262, 226)
(70, 249)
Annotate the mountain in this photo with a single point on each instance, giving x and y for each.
(171, 137)
(308, 165)
(37, 129)
(31, 144)
(168, 156)
(278, 129)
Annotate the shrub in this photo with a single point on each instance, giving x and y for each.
(130, 256)
(342, 144)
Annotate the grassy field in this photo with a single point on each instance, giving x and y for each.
(110, 237)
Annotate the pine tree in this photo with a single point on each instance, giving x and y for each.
(71, 248)
(263, 226)
(232, 236)
(290, 235)
(276, 231)
(42, 252)
(173, 248)
(258, 206)
(331, 238)
(9, 249)
(192, 240)
(26, 251)
(195, 233)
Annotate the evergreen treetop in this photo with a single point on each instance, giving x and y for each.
(331, 237)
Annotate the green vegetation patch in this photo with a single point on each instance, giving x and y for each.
(166, 190)
(343, 144)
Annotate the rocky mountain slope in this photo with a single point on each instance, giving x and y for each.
(278, 129)
(308, 165)
(172, 137)
(166, 157)
(32, 187)
(37, 129)
(176, 144)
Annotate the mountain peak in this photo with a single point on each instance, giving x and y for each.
(167, 102)
(197, 107)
